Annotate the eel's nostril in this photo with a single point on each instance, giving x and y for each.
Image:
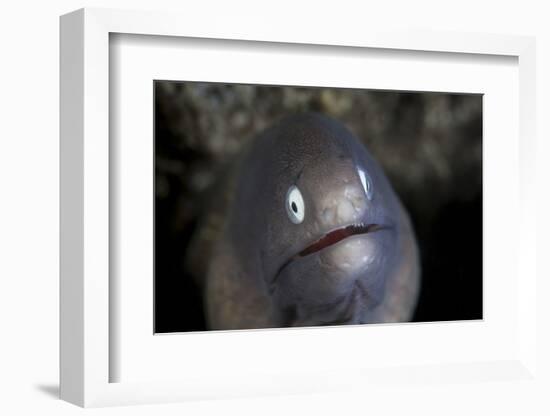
(345, 210)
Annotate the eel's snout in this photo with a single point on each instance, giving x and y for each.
(345, 202)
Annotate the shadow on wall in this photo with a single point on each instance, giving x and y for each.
(51, 390)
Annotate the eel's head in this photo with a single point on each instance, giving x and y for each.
(333, 235)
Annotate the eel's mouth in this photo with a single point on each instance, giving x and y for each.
(338, 235)
(330, 239)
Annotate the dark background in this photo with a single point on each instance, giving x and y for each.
(429, 144)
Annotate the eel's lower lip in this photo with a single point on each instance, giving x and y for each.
(338, 235)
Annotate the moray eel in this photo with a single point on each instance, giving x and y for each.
(305, 230)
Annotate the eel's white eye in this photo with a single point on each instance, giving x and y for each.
(295, 205)
(366, 182)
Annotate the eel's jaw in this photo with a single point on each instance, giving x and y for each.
(331, 238)
(338, 235)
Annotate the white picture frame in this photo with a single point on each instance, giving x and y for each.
(87, 308)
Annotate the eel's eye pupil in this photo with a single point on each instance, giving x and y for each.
(295, 208)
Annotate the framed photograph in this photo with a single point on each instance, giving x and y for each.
(269, 212)
(373, 247)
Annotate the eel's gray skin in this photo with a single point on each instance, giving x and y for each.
(246, 254)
